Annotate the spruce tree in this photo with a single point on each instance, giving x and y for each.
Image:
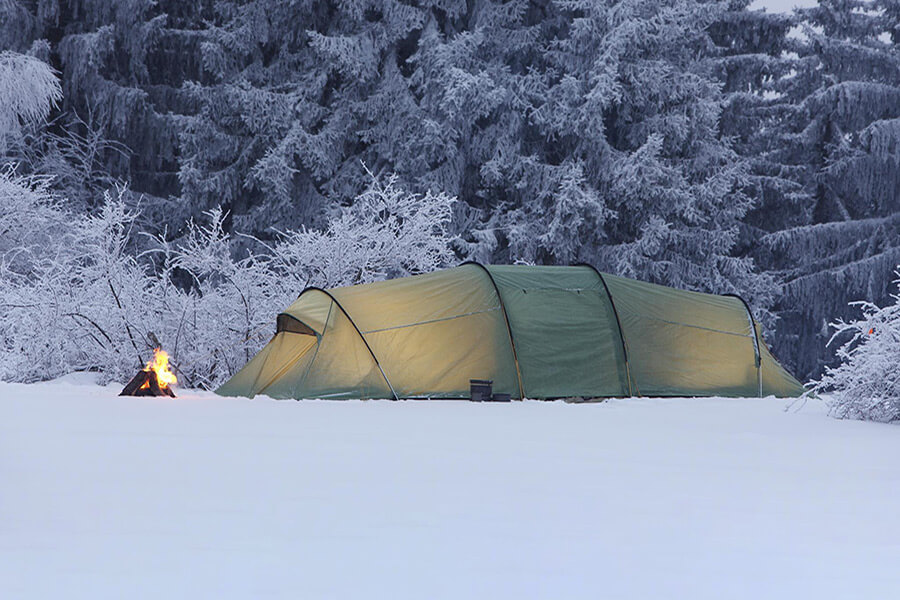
(841, 143)
(570, 130)
(122, 66)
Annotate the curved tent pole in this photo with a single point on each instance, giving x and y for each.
(755, 342)
(361, 336)
(618, 324)
(512, 342)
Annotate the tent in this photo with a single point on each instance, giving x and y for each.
(535, 331)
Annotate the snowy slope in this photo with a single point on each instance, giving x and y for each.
(206, 497)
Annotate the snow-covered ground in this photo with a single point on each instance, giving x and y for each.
(207, 497)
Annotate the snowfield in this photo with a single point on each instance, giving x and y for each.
(208, 497)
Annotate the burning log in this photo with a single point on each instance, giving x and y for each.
(145, 383)
(153, 380)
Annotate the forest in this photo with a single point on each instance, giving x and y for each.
(697, 144)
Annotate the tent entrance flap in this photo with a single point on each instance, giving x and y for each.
(270, 366)
(288, 350)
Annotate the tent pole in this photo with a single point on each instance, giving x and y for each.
(361, 336)
(512, 342)
(756, 353)
(618, 324)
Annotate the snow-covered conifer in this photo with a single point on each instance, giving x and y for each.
(838, 140)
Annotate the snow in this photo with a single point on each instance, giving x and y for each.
(780, 6)
(207, 497)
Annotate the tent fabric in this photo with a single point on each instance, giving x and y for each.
(535, 331)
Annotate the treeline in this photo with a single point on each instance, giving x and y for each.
(691, 143)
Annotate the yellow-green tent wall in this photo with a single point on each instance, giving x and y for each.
(535, 331)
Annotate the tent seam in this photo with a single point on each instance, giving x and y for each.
(430, 321)
(676, 323)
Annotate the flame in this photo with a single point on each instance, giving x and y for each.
(160, 365)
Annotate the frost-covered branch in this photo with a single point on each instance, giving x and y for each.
(866, 383)
(28, 90)
(76, 295)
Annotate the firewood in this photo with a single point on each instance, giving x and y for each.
(145, 383)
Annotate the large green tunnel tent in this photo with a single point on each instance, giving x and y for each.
(535, 331)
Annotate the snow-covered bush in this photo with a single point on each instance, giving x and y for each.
(229, 311)
(222, 312)
(65, 285)
(386, 232)
(75, 296)
(866, 384)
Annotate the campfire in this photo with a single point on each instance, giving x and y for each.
(153, 380)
